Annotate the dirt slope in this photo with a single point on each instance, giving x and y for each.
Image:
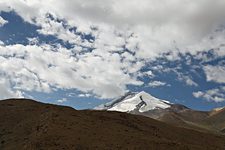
(215, 121)
(26, 124)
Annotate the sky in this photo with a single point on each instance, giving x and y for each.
(84, 53)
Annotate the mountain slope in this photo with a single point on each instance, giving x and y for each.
(144, 104)
(215, 120)
(26, 124)
(140, 102)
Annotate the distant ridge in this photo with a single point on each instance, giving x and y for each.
(145, 104)
(140, 102)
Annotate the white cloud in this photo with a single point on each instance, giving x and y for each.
(145, 28)
(84, 95)
(102, 75)
(1, 43)
(198, 94)
(188, 80)
(216, 95)
(2, 21)
(148, 74)
(156, 84)
(63, 100)
(150, 27)
(215, 73)
(7, 92)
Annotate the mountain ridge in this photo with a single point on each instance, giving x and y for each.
(27, 124)
(132, 101)
(176, 114)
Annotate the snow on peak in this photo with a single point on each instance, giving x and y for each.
(217, 110)
(141, 101)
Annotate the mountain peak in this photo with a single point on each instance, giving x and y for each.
(143, 92)
(217, 110)
(141, 102)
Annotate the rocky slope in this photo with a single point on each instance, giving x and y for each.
(145, 104)
(26, 125)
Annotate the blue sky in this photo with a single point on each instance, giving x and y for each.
(77, 56)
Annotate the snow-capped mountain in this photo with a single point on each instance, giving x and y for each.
(141, 102)
(176, 114)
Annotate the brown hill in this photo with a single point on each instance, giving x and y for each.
(181, 116)
(212, 121)
(216, 120)
(26, 124)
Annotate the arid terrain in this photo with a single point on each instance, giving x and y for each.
(31, 125)
(142, 103)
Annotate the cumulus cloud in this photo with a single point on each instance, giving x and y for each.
(63, 100)
(7, 92)
(156, 25)
(2, 21)
(156, 84)
(148, 74)
(216, 95)
(1, 43)
(84, 95)
(58, 67)
(187, 80)
(125, 35)
(215, 73)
